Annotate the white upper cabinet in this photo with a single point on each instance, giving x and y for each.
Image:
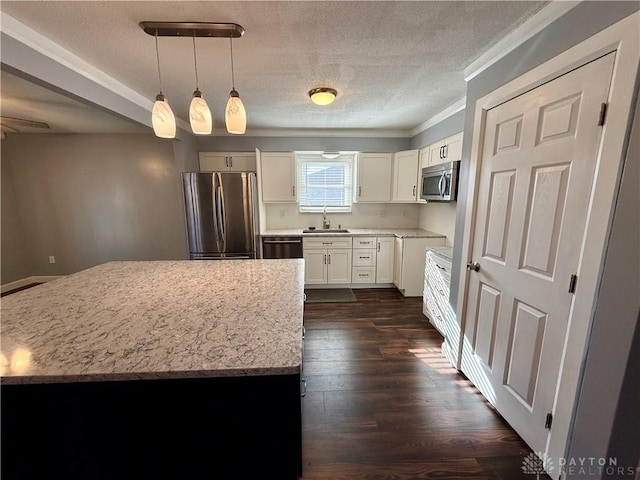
(446, 150)
(227, 161)
(373, 177)
(277, 177)
(405, 176)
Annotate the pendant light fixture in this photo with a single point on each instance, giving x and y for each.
(235, 115)
(162, 119)
(199, 113)
(200, 117)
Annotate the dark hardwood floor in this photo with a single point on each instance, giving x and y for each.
(383, 403)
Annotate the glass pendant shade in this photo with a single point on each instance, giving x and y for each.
(200, 115)
(162, 119)
(235, 115)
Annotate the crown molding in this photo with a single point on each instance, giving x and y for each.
(317, 132)
(542, 19)
(439, 117)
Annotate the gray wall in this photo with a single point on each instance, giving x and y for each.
(243, 143)
(577, 25)
(15, 261)
(89, 199)
(612, 336)
(447, 127)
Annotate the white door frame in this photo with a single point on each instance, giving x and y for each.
(622, 38)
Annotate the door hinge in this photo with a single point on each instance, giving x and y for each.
(573, 281)
(548, 421)
(603, 114)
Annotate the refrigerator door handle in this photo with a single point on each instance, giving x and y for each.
(223, 217)
(217, 213)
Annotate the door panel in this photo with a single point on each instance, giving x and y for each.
(315, 266)
(535, 177)
(237, 212)
(499, 215)
(525, 346)
(487, 319)
(202, 221)
(545, 212)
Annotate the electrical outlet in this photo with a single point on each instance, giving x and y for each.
(52, 259)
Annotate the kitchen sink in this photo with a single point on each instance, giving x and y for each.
(328, 230)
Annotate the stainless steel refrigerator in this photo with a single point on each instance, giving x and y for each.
(222, 215)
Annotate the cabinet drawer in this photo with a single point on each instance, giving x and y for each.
(441, 266)
(363, 275)
(364, 242)
(363, 257)
(326, 242)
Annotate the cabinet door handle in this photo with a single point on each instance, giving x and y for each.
(304, 330)
(325, 258)
(445, 151)
(303, 390)
(414, 190)
(293, 191)
(329, 259)
(378, 246)
(327, 243)
(226, 161)
(361, 257)
(441, 268)
(231, 162)
(363, 274)
(441, 147)
(360, 191)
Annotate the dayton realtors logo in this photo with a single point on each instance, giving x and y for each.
(539, 463)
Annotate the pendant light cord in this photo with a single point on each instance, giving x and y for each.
(158, 59)
(195, 59)
(233, 81)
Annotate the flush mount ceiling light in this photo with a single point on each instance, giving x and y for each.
(323, 95)
(330, 155)
(200, 118)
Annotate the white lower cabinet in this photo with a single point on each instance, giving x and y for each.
(437, 281)
(315, 266)
(364, 260)
(367, 261)
(409, 264)
(327, 260)
(384, 259)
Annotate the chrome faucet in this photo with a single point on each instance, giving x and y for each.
(326, 224)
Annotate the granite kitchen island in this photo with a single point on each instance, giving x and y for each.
(169, 369)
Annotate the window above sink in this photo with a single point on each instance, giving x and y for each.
(324, 185)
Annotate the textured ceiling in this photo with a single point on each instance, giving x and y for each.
(395, 64)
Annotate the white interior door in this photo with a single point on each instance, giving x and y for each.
(536, 175)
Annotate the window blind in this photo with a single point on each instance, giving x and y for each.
(325, 184)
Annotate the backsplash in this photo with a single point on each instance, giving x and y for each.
(363, 215)
(439, 217)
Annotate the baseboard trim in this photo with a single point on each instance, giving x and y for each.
(27, 281)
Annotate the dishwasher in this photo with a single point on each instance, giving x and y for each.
(281, 247)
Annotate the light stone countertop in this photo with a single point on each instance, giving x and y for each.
(357, 232)
(156, 319)
(444, 251)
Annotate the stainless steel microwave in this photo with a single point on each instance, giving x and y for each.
(439, 183)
